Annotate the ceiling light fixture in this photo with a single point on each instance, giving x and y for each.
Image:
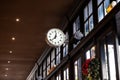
(10, 51)
(13, 38)
(9, 61)
(6, 69)
(6, 75)
(17, 19)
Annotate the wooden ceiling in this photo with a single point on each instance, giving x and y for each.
(36, 18)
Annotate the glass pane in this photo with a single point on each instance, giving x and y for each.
(44, 65)
(41, 70)
(90, 7)
(67, 74)
(52, 54)
(48, 60)
(106, 64)
(64, 74)
(48, 68)
(79, 69)
(86, 28)
(93, 52)
(106, 3)
(91, 23)
(59, 77)
(76, 70)
(74, 28)
(118, 0)
(88, 54)
(76, 25)
(85, 13)
(99, 1)
(57, 59)
(64, 51)
(44, 74)
(100, 13)
(52, 63)
(111, 57)
(111, 62)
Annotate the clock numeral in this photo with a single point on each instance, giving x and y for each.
(50, 33)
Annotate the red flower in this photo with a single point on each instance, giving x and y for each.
(85, 67)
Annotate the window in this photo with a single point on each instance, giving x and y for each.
(66, 74)
(102, 5)
(90, 53)
(108, 58)
(65, 46)
(88, 18)
(76, 30)
(77, 69)
(58, 55)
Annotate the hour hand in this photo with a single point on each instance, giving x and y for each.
(54, 36)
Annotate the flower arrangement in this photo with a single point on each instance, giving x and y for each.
(90, 69)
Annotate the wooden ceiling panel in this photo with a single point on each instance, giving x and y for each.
(36, 18)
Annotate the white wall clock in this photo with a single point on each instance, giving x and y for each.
(55, 37)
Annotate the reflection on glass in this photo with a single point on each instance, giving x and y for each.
(100, 13)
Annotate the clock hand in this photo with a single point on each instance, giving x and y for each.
(54, 36)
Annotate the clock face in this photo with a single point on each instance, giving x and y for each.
(55, 37)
